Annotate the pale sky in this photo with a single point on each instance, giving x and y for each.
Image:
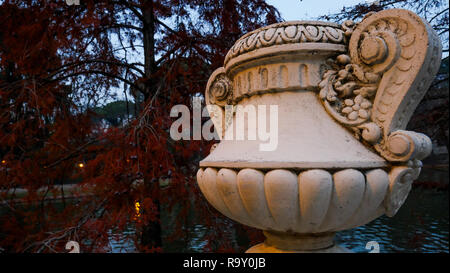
(310, 9)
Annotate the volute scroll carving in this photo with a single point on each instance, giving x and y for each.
(219, 93)
(392, 58)
(219, 90)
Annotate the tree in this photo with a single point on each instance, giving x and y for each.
(59, 62)
(432, 114)
(115, 113)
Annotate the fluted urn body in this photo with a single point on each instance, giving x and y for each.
(337, 155)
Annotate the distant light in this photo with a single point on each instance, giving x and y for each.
(3, 161)
(137, 208)
(80, 165)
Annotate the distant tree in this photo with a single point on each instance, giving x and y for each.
(432, 114)
(115, 113)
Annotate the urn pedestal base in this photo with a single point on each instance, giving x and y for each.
(277, 242)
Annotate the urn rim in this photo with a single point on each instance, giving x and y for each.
(298, 34)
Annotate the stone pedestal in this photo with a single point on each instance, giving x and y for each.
(298, 243)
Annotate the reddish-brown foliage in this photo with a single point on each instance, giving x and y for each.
(58, 62)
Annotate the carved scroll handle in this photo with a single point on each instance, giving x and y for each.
(218, 94)
(406, 51)
(393, 57)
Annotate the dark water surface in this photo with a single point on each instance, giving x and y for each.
(421, 225)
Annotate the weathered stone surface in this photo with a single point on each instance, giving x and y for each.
(344, 96)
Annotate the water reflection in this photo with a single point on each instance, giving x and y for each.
(197, 242)
(421, 225)
(120, 242)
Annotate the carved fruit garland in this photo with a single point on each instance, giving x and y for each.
(347, 93)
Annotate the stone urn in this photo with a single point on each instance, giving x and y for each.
(343, 95)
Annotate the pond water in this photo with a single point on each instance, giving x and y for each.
(421, 225)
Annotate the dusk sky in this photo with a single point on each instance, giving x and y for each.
(309, 9)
